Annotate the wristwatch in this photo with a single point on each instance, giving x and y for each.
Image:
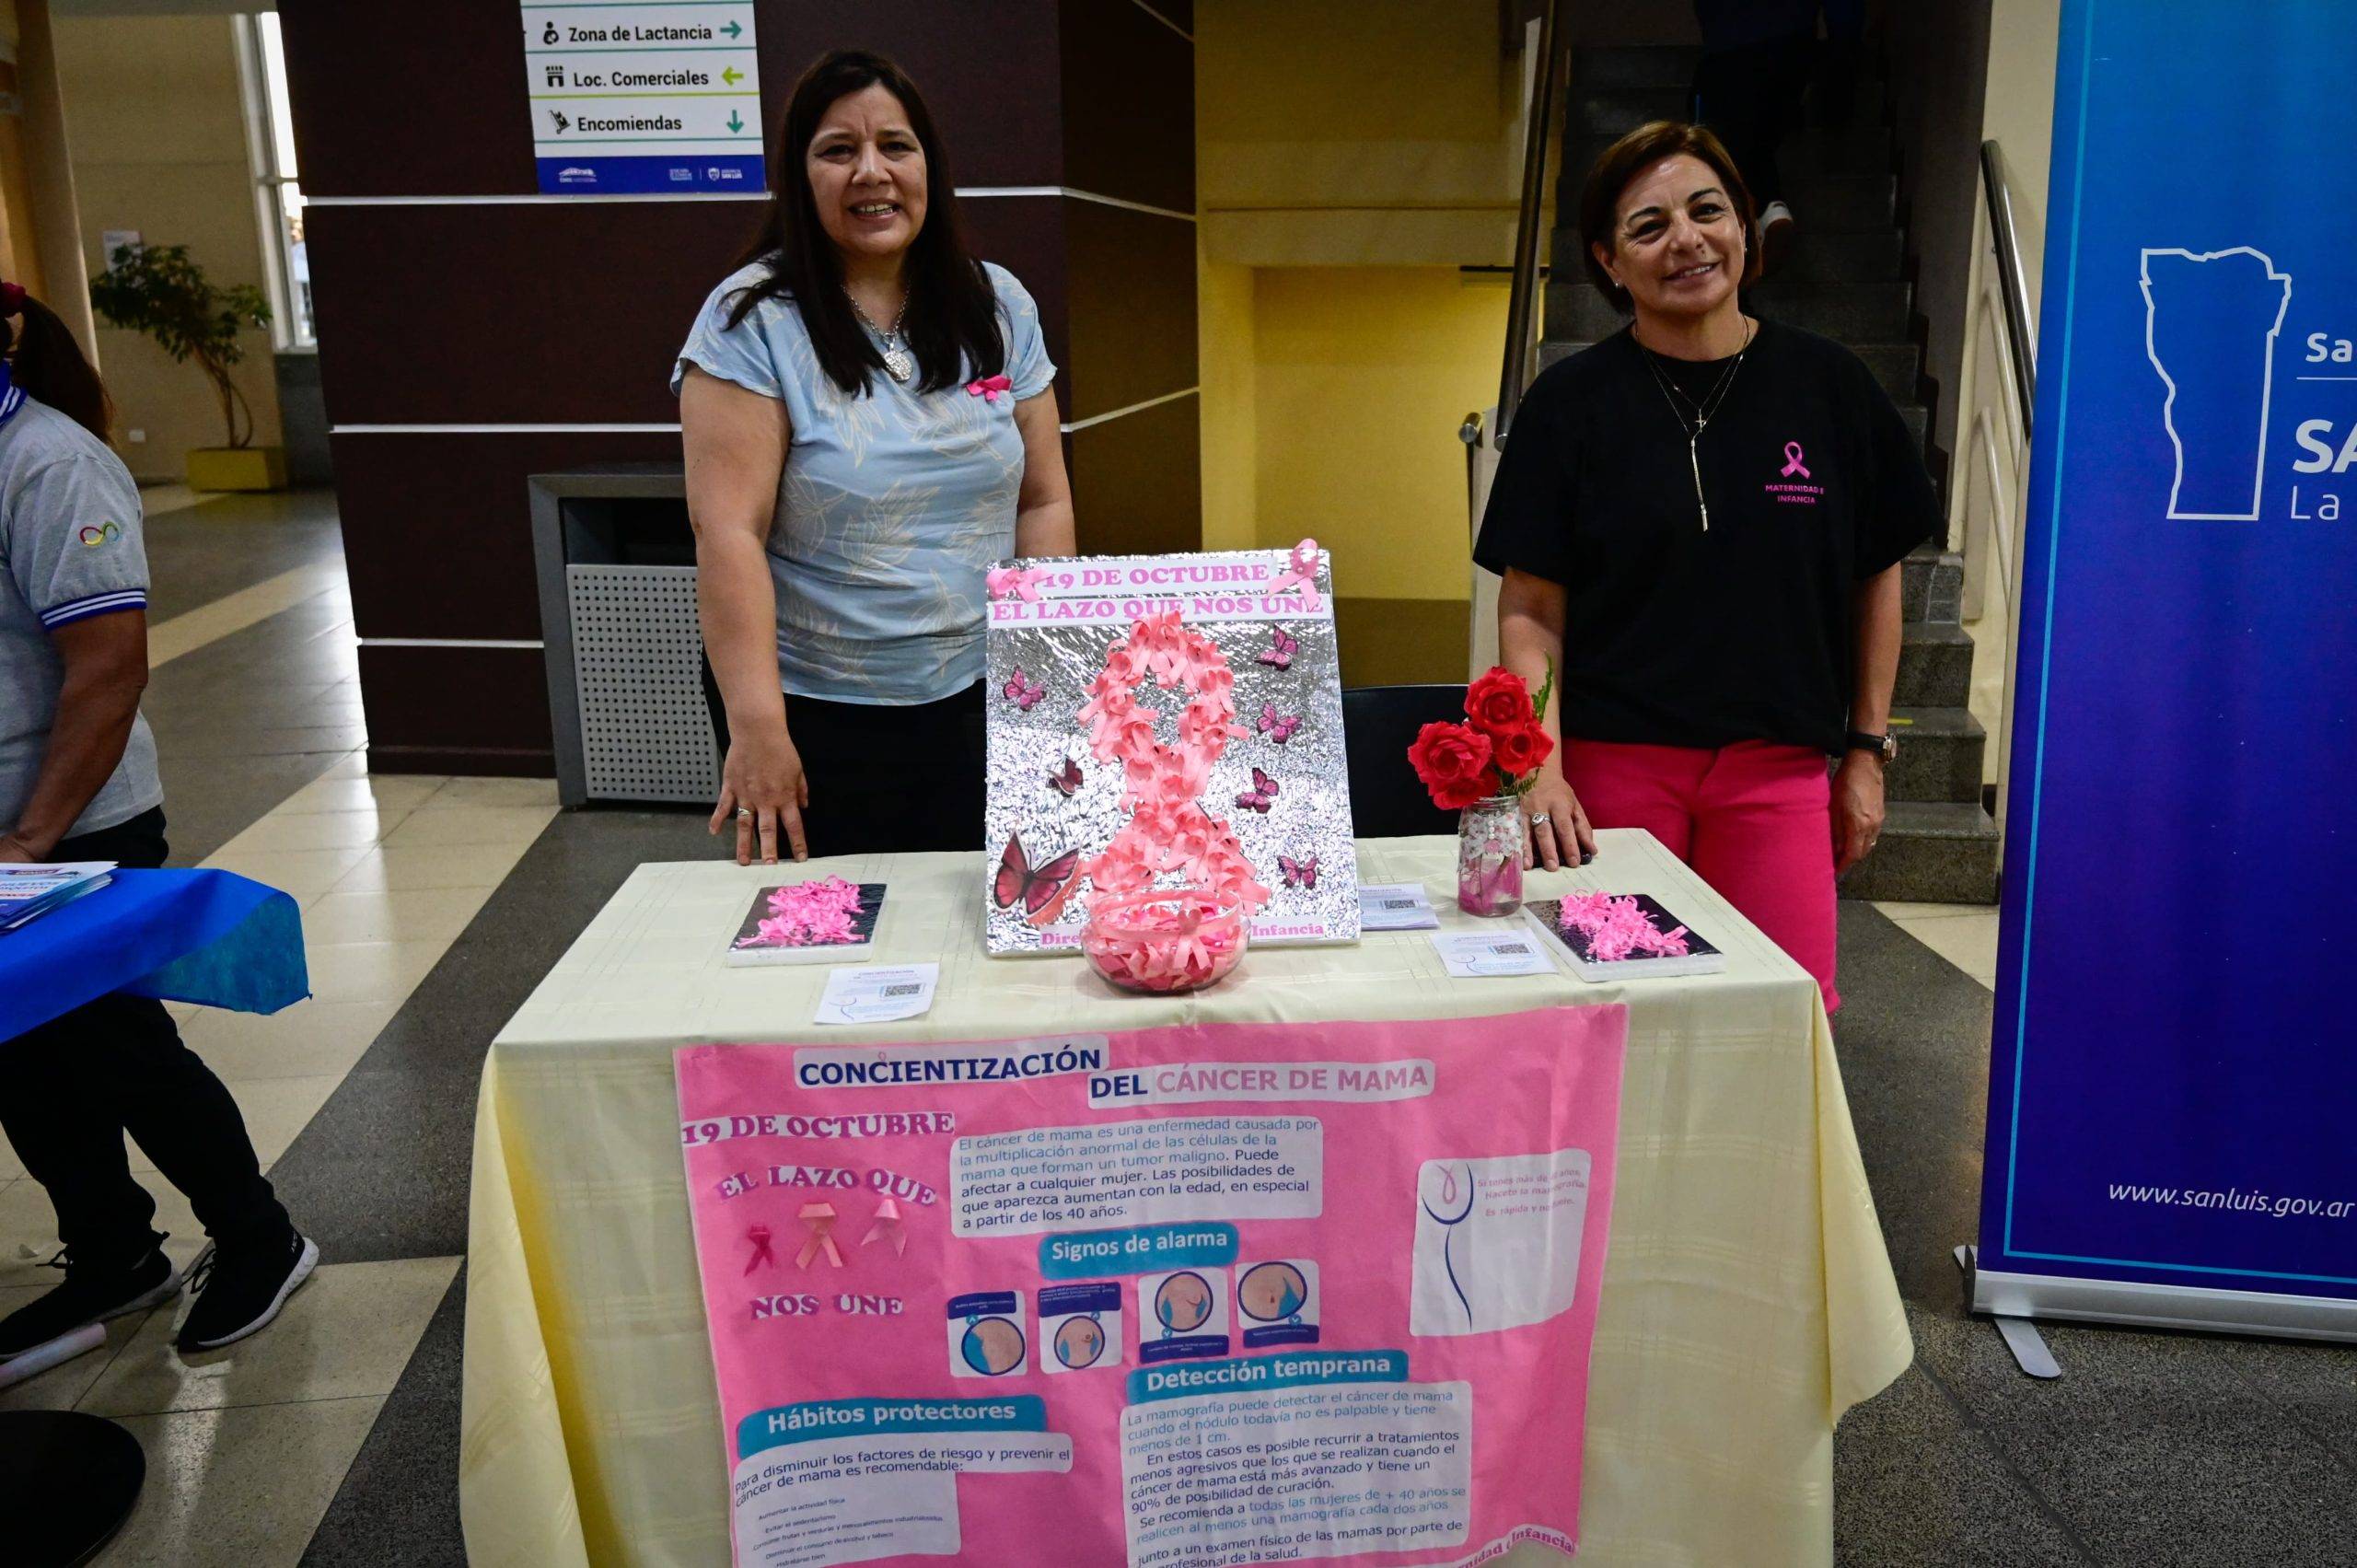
(1884, 746)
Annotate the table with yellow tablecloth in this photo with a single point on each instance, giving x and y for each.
(1747, 1299)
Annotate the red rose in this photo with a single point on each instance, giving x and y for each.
(1498, 704)
(1520, 751)
(1453, 759)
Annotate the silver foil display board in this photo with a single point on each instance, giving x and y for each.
(1281, 785)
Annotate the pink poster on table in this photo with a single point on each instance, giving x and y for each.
(1178, 1297)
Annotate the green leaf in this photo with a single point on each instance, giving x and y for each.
(1545, 690)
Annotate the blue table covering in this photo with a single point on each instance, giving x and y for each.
(205, 937)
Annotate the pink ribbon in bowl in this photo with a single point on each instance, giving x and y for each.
(990, 388)
(1301, 572)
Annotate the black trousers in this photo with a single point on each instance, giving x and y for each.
(883, 779)
(1752, 95)
(70, 1089)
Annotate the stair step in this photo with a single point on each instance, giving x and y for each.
(1843, 204)
(1815, 153)
(1931, 586)
(1932, 852)
(1934, 666)
(1596, 110)
(1939, 757)
(1611, 67)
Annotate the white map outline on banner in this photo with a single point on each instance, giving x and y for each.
(2266, 378)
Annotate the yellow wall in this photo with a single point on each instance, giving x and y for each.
(1338, 132)
(1360, 376)
(1227, 373)
(2024, 36)
(158, 131)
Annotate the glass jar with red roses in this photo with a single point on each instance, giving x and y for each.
(1479, 770)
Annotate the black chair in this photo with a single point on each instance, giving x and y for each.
(1387, 801)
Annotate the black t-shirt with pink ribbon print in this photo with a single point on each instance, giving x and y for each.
(1678, 636)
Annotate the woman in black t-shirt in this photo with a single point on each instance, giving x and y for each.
(1700, 522)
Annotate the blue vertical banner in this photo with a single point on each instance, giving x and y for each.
(2173, 1085)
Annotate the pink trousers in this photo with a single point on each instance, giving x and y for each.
(1754, 821)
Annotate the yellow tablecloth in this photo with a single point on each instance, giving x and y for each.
(1747, 1300)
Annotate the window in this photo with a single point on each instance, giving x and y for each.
(278, 194)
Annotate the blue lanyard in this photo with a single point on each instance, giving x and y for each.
(12, 397)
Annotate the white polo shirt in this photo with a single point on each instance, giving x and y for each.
(70, 548)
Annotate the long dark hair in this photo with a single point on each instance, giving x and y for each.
(952, 318)
(47, 363)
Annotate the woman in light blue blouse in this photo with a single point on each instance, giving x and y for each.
(869, 423)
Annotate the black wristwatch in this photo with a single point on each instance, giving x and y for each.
(1884, 746)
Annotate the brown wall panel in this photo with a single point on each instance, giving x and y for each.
(438, 528)
(426, 98)
(1129, 92)
(1131, 306)
(561, 312)
(457, 710)
(1137, 481)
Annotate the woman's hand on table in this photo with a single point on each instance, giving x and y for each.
(761, 785)
(1857, 809)
(1563, 837)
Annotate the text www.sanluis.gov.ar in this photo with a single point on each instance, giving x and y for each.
(2253, 1203)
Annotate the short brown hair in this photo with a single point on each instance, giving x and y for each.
(1620, 163)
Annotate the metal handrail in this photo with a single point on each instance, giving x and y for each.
(1523, 303)
(2021, 333)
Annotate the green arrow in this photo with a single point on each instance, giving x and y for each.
(732, 75)
(732, 30)
(735, 123)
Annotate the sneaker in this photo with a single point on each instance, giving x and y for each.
(91, 1294)
(1776, 230)
(240, 1285)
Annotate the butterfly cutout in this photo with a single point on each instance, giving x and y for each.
(1066, 780)
(1261, 795)
(1278, 730)
(1022, 691)
(1281, 651)
(1299, 873)
(1042, 892)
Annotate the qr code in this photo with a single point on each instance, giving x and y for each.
(911, 988)
(1509, 949)
(1399, 903)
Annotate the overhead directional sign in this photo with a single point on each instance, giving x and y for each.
(657, 96)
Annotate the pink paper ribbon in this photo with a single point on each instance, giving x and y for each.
(1015, 582)
(1793, 464)
(990, 388)
(888, 1227)
(760, 1236)
(1301, 572)
(820, 1219)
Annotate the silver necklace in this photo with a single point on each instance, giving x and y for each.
(898, 362)
(1704, 411)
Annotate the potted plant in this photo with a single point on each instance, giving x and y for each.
(157, 290)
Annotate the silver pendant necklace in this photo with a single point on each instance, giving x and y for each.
(1704, 411)
(897, 362)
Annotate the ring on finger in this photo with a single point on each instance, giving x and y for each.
(1539, 819)
(744, 814)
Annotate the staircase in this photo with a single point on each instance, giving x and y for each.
(1843, 277)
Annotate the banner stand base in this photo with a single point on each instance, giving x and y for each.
(2021, 1335)
(2136, 1305)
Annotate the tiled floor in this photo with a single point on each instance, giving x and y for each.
(432, 906)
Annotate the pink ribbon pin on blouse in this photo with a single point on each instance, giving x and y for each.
(888, 1227)
(990, 388)
(1301, 572)
(820, 1219)
(1015, 582)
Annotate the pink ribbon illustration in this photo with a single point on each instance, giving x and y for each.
(1301, 572)
(1793, 464)
(888, 1227)
(1013, 582)
(760, 1236)
(990, 388)
(820, 1219)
